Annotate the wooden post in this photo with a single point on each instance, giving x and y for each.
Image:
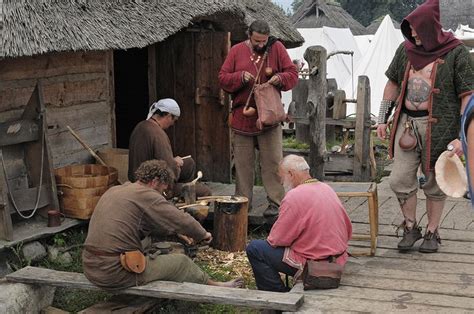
(330, 102)
(339, 111)
(316, 103)
(230, 224)
(299, 94)
(362, 131)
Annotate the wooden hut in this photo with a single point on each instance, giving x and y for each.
(319, 13)
(102, 63)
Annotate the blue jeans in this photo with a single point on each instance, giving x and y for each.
(266, 264)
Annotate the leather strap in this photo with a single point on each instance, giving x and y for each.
(99, 252)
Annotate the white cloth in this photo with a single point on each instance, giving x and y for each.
(165, 105)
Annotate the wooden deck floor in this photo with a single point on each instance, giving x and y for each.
(391, 281)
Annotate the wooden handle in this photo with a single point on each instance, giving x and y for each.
(88, 148)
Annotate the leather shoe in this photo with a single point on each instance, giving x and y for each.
(431, 242)
(410, 236)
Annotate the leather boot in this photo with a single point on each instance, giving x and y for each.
(431, 242)
(410, 236)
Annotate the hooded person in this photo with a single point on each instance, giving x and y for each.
(429, 83)
(149, 141)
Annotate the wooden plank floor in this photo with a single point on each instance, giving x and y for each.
(391, 281)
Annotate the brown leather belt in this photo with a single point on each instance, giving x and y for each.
(99, 252)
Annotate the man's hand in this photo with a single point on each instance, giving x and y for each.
(208, 238)
(382, 131)
(275, 80)
(179, 161)
(186, 239)
(247, 77)
(456, 146)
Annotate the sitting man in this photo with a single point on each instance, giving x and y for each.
(312, 225)
(124, 216)
(150, 141)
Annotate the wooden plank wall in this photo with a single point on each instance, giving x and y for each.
(76, 91)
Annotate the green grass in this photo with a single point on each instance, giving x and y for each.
(291, 142)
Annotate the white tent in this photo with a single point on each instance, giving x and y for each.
(363, 42)
(339, 66)
(375, 62)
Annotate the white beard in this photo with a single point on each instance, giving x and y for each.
(287, 186)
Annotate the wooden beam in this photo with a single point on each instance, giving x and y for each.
(316, 103)
(152, 96)
(6, 227)
(362, 131)
(167, 290)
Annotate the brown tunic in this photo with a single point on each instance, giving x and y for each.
(123, 217)
(149, 141)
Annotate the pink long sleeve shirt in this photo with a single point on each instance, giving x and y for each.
(312, 224)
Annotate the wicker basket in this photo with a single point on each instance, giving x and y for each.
(81, 186)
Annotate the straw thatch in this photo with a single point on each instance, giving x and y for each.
(374, 26)
(319, 13)
(33, 27)
(455, 12)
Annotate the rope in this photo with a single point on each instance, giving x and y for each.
(38, 195)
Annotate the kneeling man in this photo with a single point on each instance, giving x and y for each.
(312, 225)
(124, 216)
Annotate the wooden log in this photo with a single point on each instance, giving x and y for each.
(299, 94)
(317, 91)
(330, 129)
(167, 290)
(362, 131)
(230, 224)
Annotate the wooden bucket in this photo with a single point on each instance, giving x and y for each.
(86, 176)
(81, 187)
(78, 207)
(230, 223)
(117, 158)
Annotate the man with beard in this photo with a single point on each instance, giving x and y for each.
(430, 80)
(124, 216)
(312, 225)
(237, 77)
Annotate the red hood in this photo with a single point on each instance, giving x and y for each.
(435, 42)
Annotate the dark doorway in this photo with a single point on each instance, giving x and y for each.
(131, 91)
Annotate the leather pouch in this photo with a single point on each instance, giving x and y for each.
(322, 275)
(408, 140)
(133, 261)
(269, 107)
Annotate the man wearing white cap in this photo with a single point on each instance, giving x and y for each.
(150, 141)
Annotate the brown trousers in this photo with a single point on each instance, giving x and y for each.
(269, 145)
(403, 178)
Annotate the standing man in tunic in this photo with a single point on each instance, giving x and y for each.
(237, 77)
(430, 80)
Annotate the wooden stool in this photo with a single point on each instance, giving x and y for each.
(362, 189)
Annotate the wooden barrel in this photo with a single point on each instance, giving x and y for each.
(81, 187)
(117, 158)
(230, 224)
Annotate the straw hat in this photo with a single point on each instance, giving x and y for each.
(451, 175)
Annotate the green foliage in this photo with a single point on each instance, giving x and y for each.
(295, 5)
(367, 11)
(291, 142)
(18, 261)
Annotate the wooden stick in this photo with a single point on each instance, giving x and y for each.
(186, 157)
(88, 148)
(213, 197)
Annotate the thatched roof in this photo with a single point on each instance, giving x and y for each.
(33, 27)
(319, 13)
(374, 26)
(455, 12)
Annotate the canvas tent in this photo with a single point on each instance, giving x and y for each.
(376, 60)
(339, 66)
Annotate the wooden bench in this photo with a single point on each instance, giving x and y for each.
(362, 189)
(167, 290)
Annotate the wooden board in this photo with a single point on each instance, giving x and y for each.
(167, 290)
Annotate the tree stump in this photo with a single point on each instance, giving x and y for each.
(230, 224)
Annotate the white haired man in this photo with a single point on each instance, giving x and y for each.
(312, 225)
